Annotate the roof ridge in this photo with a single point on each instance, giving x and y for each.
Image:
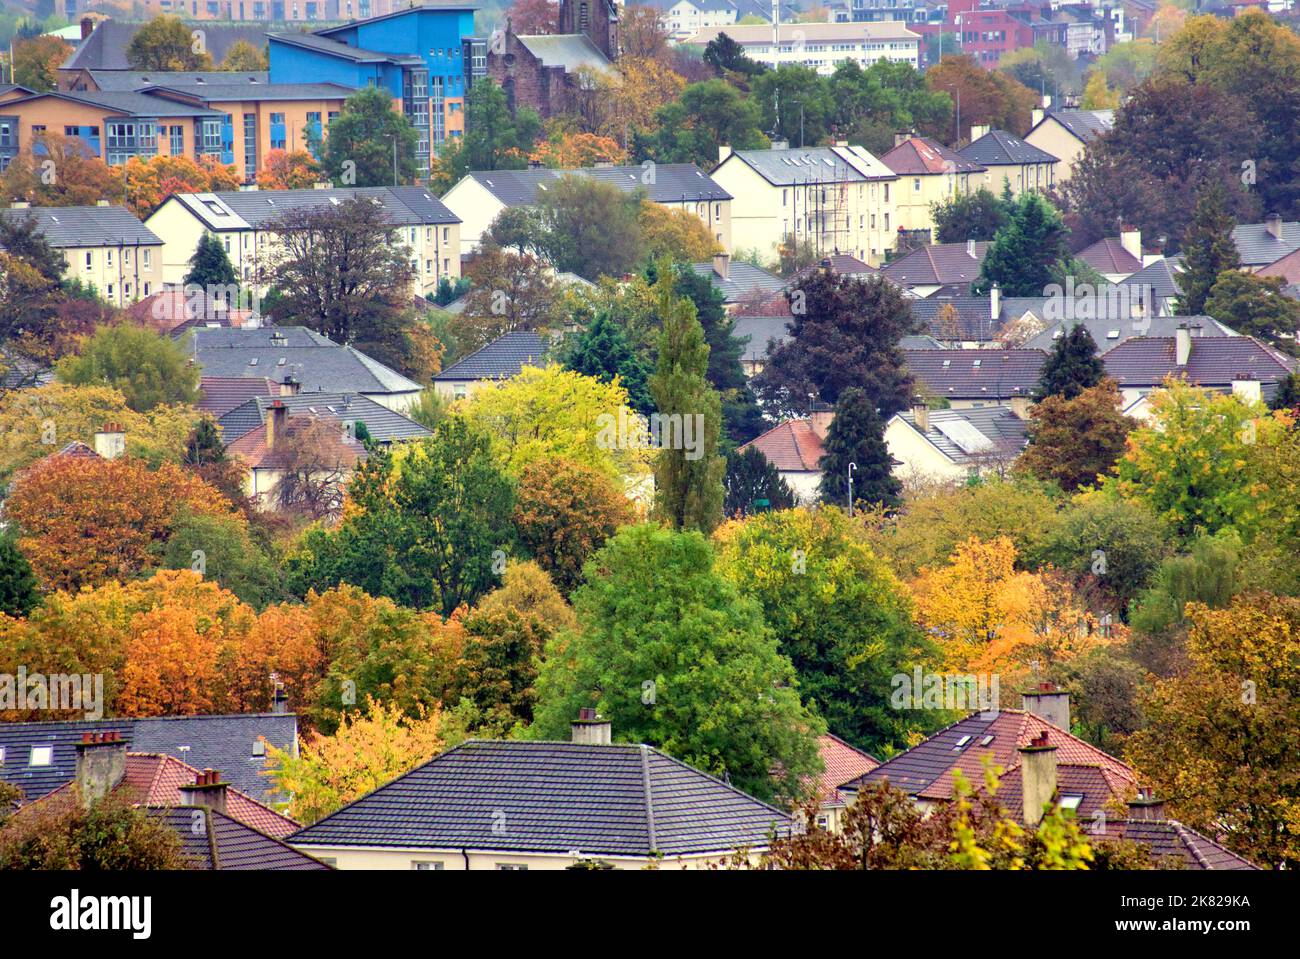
(653, 842)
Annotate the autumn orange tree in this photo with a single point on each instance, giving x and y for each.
(678, 235)
(147, 183)
(55, 170)
(288, 170)
(84, 520)
(567, 150)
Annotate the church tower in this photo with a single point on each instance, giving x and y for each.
(598, 19)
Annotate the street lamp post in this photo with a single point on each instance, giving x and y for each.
(852, 467)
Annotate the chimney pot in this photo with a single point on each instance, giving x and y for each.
(589, 729)
(1049, 703)
(1037, 777)
(1182, 344)
(1273, 224)
(101, 764)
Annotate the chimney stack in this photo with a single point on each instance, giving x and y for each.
(921, 413)
(724, 151)
(1020, 406)
(110, 442)
(589, 729)
(1049, 703)
(290, 386)
(722, 264)
(1182, 344)
(901, 138)
(101, 764)
(277, 419)
(1273, 223)
(87, 27)
(279, 700)
(1037, 777)
(970, 249)
(1146, 806)
(1036, 116)
(978, 130)
(206, 790)
(1130, 238)
(820, 417)
(995, 300)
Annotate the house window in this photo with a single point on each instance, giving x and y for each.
(177, 137)
(517, 866)
(459, 391)
(144, 259)
(108, 258)
(146, 289)
(916, 183)
(41, 756)
(250, 146)
(424, 865)
(277, 131)
(110, 291)
(90, 259)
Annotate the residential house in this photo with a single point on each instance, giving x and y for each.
(928, 269)
(1240, 364)
(40, 757)
(1263, 244)
(837, 199)
(105, 247)
(740, 283)
(928, 173)
(421, 56)
(1156, 286)
(279, 448)
(218, 395)
(244, 221)
(317, 363)
(1115, 258)
(515, 805)
(959, 321)
(821, 46)
(841, 763)
(971, 379)
(1110, 332)
(351, 411)
(1288, 269)
(502, 359)
(173, 310)
(760, 336)
(1065, 134)
(480, 197)
(795, 448)
(1007, 159)
(954, 444)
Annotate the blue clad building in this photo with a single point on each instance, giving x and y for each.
(424, 57)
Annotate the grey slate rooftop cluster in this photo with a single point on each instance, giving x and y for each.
(76, 226)
(664, 183)
(383, 424)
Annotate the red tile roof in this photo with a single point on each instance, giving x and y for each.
(171, 309)
(251, 448)
(1288, 268)
(921, 155)
(792, 447)
(1109, 256)
(843, 762)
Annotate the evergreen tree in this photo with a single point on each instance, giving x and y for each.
(210, 265)
(741, 418)
(1025, 254)
(1208, 249)
(1072, 367)
(18, 595)
(857, 436)
(603, 352)
(749, 479)
(1288, 394)
(688, 483)
(359, 150)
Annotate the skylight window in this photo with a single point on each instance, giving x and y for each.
(961, 743)
(41, 756)
(976, 363)
(1071, 803)
(987, 740)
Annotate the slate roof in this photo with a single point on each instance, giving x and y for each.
(1002, 428)
(803, 165)
(1109, 333)
(1160, 276)
(925, 771)
(741, 281)
(937, 264)
(105, 48)
(127, 103)
(320, 364)
(976, 374)
(1085, 125)
(216, 742)
(1257, 247)
(922, 341)
(1288, 268)
(791, 447)
(549, 797)
(221, 842)
(501, 359)
(219, 395)
(74, 226)
(252, 209)
(110, 80)
(571, 51)
(975, 322)
(670, 184)
(226, 92)
(921, 156)
(383, 424)
(1170, 839)
(1108, 256)
(757, 333)
(842, 763)
(1000, 148)
(1215, 361)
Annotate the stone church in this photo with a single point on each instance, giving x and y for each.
(543, 71)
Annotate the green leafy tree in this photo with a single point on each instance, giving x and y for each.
(360, 148)
(1073, 441)
(706, 116)
(1208, 250)
(673, 656)
(970, 216)
(243, 57)
(857, 436)
(495, 138)
(61, 834)
(1026, 254)
(220, 549)
(591, 228)
(18, 595)
(1072, 367)
(837, 611)
(795, 102)
(1256, 306)
(167, 43)
(210, 265)
(752, 484)
(603, 351)
(688, 482)
(431, 529)
(726, 55)
(149, 369)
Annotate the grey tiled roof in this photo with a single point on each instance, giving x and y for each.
(742, 280)
(1161, 277)
(922, 341)
(320, 364)
(248, 91)
(1215, 361)
(130, 103)
(670, 184)
(1109, 333)
(1170, 839)
(216, 742)
(976, 374)
(1004, 430)
(1000, 148)
(212, 840)
(244, 209)
(1086, 125)
(383, 424)
(757, 332)
(802, 165)
(975, 321)
(74, 226)
(105, 48)
(109, 80)
(1257, 247)
(571, 51)
(544, 797)
(501, 359)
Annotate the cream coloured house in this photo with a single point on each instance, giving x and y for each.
(795, 448)
(841, 199)
(1009, 161)
(244, 220)
(928, 174)
(953, 445)
(518, 806)
(481, 196)
(105, 247)
(1065, 134)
